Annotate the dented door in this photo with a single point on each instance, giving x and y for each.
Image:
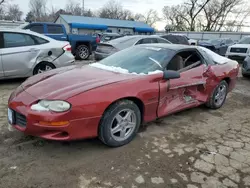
(17, 55)
(185, 92)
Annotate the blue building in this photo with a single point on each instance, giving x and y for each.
(90, 25)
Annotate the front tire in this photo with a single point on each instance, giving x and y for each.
(218, 96)
(82, 52)
(120, 123)
(245, 75)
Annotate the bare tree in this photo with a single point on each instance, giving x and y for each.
(175, 17)
(127, 15)
(89, 13)
(217, 13)
(73, 8)
(2, 9)
(39, 9)
(150, 17)
(193, 8)
(186, 13)
(29, 17)
(113, 10)
(13, 13)
(208, 15)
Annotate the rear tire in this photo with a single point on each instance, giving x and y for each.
(120, 123)
(245, 76)
(43, 67)
(219, 95)
(82, 52)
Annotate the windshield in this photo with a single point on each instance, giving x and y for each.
(137, 60)
(245, 40)
(214, 41)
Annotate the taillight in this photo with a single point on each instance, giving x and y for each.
(98, 40)
(67, 48)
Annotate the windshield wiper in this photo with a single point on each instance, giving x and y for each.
(155, 61)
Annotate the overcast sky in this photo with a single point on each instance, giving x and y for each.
(136, 6)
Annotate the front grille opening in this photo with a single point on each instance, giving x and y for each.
(239, 50)
(20, 119)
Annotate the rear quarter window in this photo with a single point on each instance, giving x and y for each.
(40, 40)
(37, 28)
(171, 38)
(182, 40)
(55, 29)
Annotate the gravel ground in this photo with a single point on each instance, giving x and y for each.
(197, 148)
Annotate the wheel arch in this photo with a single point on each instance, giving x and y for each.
(228, 80)
(40, 64)
(136, 100)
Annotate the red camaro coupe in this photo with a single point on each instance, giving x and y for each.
(112, 98)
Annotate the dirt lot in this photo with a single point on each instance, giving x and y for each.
(194, 148)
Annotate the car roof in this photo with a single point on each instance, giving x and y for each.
(141, 36)
(175, 47)
(25, 31)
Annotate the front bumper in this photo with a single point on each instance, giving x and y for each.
(30, 123)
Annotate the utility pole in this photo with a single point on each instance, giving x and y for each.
(82, 7)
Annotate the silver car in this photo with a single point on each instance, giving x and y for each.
(24, 53)
(108, 48)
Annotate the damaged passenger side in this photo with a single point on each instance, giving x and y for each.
(188, 90)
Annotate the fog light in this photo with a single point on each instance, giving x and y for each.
(58, 123)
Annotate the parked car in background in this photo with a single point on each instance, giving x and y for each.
(105, 37)
(192, 41)
(108, 48)
(176, 39)
(240, 50)
(140, 84)
(246, 67)
(217, 45)
(25, 53)
(82, 45)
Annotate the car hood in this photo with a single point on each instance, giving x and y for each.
(67, 82)
(240, 46)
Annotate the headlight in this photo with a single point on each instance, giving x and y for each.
(55, 106)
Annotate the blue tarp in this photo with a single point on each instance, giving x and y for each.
(88, 26)
(144, 30)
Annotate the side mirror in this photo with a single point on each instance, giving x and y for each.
(168, 74)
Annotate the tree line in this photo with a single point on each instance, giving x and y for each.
(191, 15)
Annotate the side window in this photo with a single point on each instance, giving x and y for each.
(171, 38)
(37, 28)
(228, 41)
(1, 40)
(139, 42)
(223, 42)
(182, 40)
(184, 61)
(154, 40)
(162, 41)
(40, 40)
(146, 41)
(149, 40)
(12, 40)
(55, 29)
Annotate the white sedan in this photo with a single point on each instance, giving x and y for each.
(24, 53)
